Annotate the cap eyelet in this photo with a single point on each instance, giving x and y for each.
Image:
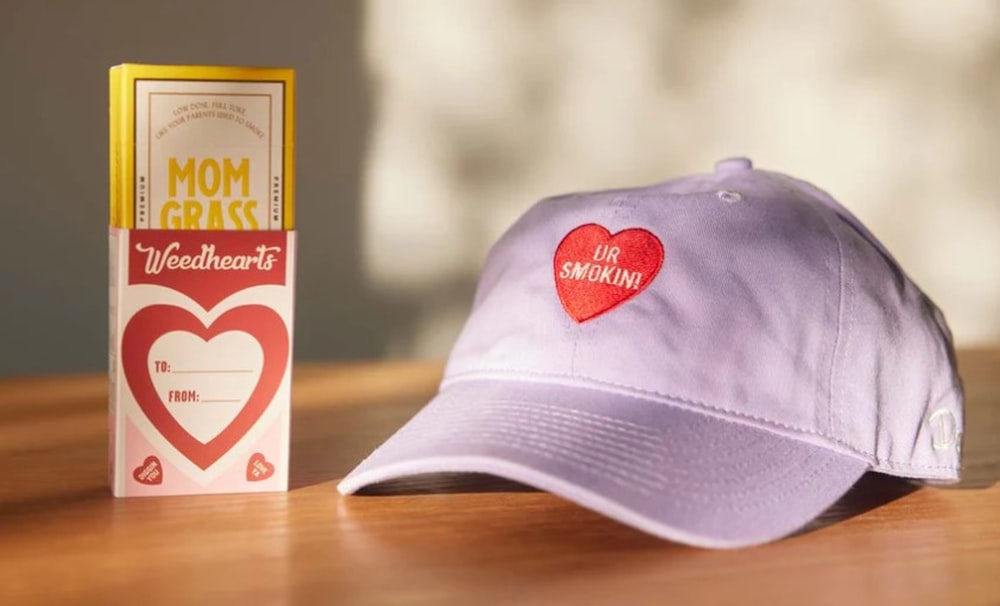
(728, 196)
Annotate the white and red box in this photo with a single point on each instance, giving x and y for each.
(202, 268)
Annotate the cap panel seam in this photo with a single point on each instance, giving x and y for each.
(833, 404)
(834, 413)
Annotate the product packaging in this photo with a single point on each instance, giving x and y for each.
(202, 270)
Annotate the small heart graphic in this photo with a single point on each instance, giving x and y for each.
(596, 271)
(258, 468)
(150, 323)
(150, 472)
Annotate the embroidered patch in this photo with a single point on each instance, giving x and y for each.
(596, 271)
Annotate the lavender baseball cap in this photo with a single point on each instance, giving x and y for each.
(715, 360)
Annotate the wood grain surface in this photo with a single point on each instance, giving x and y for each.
(448, 539)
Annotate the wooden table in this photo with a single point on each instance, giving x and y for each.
(65, 540)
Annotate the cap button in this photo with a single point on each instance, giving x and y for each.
(729, 165)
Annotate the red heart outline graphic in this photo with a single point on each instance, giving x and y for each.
(591, 280)
(150, 323)
(258, 468)
(150, 472)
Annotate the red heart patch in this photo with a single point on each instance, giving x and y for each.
(596, 271)
(150, 472)
(258, 468)
(150, 323)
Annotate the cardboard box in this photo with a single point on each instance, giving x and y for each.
(202, 268)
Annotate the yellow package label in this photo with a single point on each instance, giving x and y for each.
(202, 147)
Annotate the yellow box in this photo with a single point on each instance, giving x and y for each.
(202, 147)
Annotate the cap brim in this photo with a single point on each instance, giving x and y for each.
(675, 473)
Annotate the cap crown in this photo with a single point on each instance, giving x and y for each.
(767, 303)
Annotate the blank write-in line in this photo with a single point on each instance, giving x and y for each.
(192, 372)
(213, 401)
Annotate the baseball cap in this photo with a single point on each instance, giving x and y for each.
(714, 359)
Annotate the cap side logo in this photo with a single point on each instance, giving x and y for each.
(596, 271)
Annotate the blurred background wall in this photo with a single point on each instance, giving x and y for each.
(426, 128)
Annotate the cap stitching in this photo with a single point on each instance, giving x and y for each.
(554, 416)
(608, 437)
(648, 392)
(647, 478)
(646, 435)
(658, 480)
(515, 432)
(903, 464)
(848, 446)
(609, 445)
(626, 479)
(550, 421)
(493, 413)
(574, 449)
(619, 476)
